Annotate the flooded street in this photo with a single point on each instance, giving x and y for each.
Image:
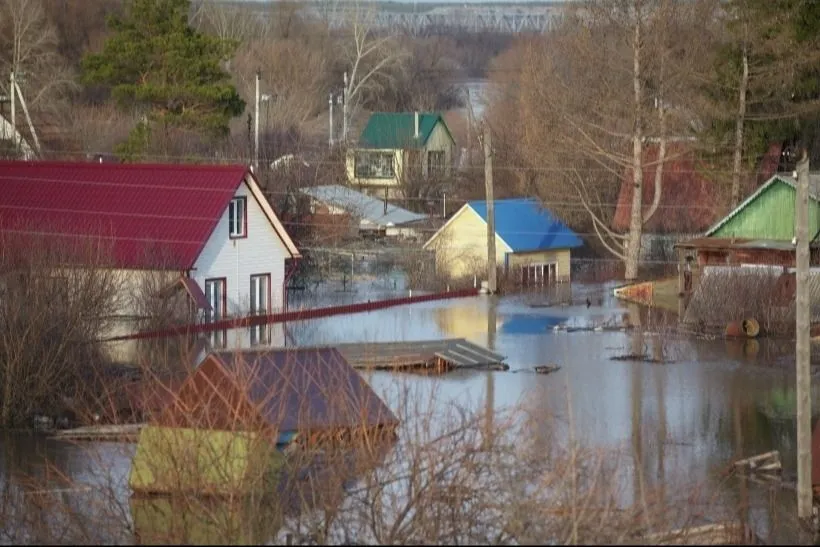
(680, 423)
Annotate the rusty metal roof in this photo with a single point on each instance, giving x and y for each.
(456, 351)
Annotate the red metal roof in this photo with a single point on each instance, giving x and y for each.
(690, 203)
(148, 212)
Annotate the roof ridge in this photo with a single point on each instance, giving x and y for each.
(129, 166)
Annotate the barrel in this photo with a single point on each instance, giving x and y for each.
(751, 328)
(734, 328)
(748, 328)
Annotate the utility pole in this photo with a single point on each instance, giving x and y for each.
(330, 104)
(344, 110)
(804, 486)
(469, 128)
(488, 190)
(28, 117)
(256, 125)
(12, 87)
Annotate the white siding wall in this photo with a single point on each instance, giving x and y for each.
(261, 252)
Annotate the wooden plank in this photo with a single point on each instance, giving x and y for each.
(99, 432)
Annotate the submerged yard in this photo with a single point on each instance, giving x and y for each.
(659, 432)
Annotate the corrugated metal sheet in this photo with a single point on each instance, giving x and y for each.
(149, 213)
(363, 206)
(525, 225)
(457, 352)
(396, 130)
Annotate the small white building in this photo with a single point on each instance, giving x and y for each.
(207, 230)
(373, 216)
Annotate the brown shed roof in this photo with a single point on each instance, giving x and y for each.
(299, 389)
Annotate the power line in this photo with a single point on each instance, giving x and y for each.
(245, 160)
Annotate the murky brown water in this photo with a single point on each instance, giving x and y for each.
(680, 423)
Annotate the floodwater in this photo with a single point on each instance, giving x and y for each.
(680, 422)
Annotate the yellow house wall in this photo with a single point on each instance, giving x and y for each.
(461, 247)
(560, 257)
(133, 285)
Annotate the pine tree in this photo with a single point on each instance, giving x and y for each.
(156, 61)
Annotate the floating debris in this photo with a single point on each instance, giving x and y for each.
(768, 462)
(640, 357)
(540, 369)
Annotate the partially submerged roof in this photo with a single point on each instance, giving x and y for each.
(303, 388)
(363, 206)
(396, 130)
(456, 351)
(152, 215)
(525, 225)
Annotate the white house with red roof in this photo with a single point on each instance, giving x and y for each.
(206, 229)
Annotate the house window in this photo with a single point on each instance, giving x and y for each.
(374, 165)
(435, 163)
(260, 294)
(217, 295)
(238, 218)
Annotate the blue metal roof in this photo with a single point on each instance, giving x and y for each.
(526, 226)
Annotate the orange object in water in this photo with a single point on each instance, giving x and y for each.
(748, 328)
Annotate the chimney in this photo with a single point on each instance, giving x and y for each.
(416, 125)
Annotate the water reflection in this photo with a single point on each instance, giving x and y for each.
(670, 424)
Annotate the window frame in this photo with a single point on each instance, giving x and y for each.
(268, 296)
(363, 164)
(232, 206)
(436, 169)
(211, 315)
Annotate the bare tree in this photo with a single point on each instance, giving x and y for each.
(369, 58)
(233, 22)
(587, 116)
(56, 298)
(28, 46)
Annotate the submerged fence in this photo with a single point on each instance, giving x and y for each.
(296, 315)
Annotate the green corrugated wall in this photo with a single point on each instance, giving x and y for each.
(770, 216)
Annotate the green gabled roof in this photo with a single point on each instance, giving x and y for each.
(395, 130)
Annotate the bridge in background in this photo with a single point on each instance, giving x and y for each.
(471, 19)
(515, 18)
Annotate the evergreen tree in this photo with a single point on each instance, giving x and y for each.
(156, 60)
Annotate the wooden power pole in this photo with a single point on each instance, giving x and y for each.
(488, 189)
(804, 486)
